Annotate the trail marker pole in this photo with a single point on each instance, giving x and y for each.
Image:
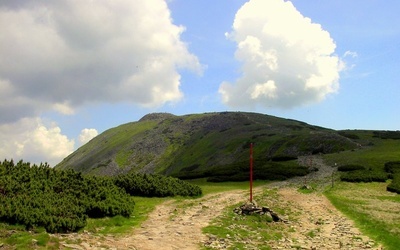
(251, 172)
(333, 172)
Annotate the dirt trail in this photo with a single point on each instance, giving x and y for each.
(180, 227)
(172, 225)
(320, 178)
(319, 225)
(178, 224)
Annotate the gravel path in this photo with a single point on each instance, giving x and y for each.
(178, 225)
(172, 225)
(320, 178)
(319, 226)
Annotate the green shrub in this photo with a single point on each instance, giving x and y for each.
(349, 135)
(59, 201)
(392, 167)
(261, 171)
(364, 176)
(395, 135)
(190, 175)
(350, 167)
(155, 185)
(283, 158)
(395, 185)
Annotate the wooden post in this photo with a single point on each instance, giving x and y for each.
(332, 176)
(251, 172)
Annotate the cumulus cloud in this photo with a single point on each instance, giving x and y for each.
(87, 134)
(58, 55)
(287, 60)
(32, 140)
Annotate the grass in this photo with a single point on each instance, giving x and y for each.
(374, 210)
(312, 233)
(122, 158)
(216, 187)
(120, 225)
(143, 206)
(246, 232)
(308, 189)
(108, 141)
(373, 155)
(19, 238)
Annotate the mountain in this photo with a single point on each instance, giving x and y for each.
(164, 143)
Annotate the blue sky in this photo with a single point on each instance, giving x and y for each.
(70, 70)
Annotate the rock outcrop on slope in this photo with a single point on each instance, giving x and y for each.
(164, 143)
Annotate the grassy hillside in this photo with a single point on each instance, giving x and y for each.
(373, 151)
(374, 210)
(168, 144)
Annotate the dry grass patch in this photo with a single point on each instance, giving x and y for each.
(373, 200)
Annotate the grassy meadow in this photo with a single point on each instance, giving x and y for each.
(373, 152)
(375, 210)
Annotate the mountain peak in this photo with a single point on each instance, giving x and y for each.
(164, 143)
(156, 116)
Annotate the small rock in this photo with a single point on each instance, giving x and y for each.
(73, 246)
(268, 214)
(86, 245)
(266, 209)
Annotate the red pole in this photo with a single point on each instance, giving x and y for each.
(251, 172)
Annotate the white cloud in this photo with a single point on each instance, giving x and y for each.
(352, 54)
(287, 60)
(63, 108)
(59, 55)
(348, 62)
(31, 140)
(87, 134)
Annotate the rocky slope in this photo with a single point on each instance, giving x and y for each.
(167, 144)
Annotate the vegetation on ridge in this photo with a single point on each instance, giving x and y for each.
(61, 201)
(263, 169)
(199, 143)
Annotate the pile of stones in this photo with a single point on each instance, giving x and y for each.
(252, 207)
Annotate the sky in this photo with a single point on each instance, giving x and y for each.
(69, 69)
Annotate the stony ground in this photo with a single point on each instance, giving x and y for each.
(320, 225)
(172, 225)
(178, 225)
